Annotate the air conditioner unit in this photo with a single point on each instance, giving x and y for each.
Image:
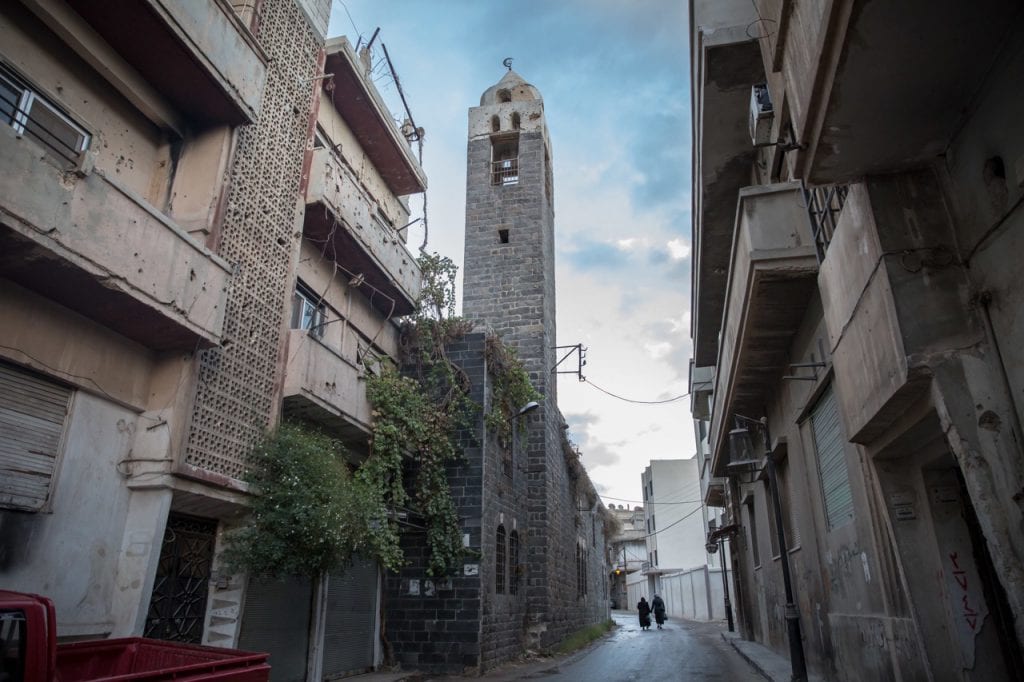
(761, 114)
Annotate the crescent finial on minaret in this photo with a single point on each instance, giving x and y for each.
(507, 63)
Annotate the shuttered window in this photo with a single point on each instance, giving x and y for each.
(33, 411)
(835, 479)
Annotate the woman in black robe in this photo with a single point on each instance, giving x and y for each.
(645, 613)
(659, 610)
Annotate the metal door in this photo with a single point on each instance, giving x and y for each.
(177, 608)
(351, 628)
(276, 620)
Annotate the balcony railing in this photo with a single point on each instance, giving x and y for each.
(505, 172)
(824, 205)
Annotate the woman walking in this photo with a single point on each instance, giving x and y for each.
(659, 610)
(644, 609)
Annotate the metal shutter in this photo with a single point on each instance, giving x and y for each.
(276, 620)
(350, 631)
(835, 479)
(32, 415)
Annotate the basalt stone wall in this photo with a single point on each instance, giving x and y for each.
(434, 624)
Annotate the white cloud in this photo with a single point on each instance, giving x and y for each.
(658, 349)
(678, 249)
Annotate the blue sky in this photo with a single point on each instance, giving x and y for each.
(615, 80)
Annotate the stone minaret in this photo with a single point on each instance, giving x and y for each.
(509, 288)
(509, 271)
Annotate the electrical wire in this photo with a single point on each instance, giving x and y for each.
(676, 522)
(639, 402)
(621, 499)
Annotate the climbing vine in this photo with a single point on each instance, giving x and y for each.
(314, 511)
(511, 387)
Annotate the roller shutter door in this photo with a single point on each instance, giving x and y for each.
(32, 415)
(835, 478)
(276, 620)
(350, 631)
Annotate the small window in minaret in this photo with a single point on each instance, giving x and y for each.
(495, 124)
(505, 160)
(515, 120)
(503, 236)
(504, 96)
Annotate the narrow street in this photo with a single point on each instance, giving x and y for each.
(682, 650)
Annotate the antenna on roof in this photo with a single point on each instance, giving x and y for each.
(507, 63)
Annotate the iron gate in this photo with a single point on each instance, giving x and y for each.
(177, 609)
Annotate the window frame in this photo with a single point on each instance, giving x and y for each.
(304, 297)
(500, 558)
(21, 118)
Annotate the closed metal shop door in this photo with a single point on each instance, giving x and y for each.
(276, 620)
(32, 415)
(350, 631)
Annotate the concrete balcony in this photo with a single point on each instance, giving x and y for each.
(324, 387)
(96, 248)
(894, 99)
(771, 279)
(726, 63)
(196, 54)
(339, 215)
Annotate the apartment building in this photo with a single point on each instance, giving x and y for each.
(200, 229)
(857, 178)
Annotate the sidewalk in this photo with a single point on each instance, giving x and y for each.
(770, 664)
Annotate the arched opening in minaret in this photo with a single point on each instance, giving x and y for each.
(504, 95)
(495, 124)
(505, 160)
(515, 120)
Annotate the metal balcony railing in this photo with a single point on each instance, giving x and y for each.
(505, 172)
(824, 205)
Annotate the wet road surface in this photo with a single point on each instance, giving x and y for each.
(683, 650)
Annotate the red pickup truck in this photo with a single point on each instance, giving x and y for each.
(29, 653)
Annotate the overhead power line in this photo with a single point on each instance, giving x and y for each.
(639, 402)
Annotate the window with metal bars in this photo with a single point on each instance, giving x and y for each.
(499, 560)
(505, 160)
(33, 115)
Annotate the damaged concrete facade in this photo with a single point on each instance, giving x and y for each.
(856, 223)
(198, 231)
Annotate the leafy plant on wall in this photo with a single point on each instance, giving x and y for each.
(314, 511)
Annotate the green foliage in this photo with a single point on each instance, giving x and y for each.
(511, 387)
(309, 514)
(583, 637)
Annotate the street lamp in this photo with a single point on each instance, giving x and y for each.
(716, 542)
(741, 455)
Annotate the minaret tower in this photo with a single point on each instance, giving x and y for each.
(509, 271)
(509, 288)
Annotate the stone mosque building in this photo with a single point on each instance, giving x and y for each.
(533, 514)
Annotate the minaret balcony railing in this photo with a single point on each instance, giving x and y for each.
(505, 172)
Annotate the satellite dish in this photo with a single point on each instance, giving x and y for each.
(507, 63)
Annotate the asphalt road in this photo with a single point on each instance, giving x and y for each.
(683, 650)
